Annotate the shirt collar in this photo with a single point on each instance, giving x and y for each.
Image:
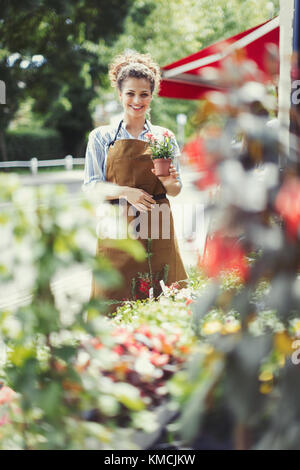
(146, 126)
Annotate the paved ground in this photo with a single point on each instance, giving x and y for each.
(78, 280)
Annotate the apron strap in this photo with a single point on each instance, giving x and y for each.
(118, 130)
(149, 125)
(116, 135)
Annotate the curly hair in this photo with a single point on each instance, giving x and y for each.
(135, 65)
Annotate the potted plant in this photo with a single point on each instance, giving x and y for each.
(162, 152)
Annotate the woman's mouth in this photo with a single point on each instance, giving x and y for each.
(137, 108)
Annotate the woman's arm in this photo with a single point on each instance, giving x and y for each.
(135, 196)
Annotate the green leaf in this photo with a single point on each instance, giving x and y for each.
(105, 275)
(130, 246)
(49, 399)
(4, 219)
(65, 353)
(129, 396)
(20, 354)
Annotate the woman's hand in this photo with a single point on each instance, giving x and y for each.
(138, 198)
(170, 182)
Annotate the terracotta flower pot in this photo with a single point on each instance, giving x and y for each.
(162, 166)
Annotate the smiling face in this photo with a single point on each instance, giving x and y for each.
(135, 96)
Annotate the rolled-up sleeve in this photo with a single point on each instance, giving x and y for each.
(94, 167)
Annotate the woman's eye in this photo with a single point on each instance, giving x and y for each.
(144, 95)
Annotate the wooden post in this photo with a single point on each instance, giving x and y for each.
(285, 89)
(69, 162)
(34, 165)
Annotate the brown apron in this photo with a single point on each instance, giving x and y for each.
(129, 163)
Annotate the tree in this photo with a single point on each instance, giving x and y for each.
(56, 59)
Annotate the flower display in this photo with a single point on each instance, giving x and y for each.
(287, 204)
(162, 148)
(144, 357)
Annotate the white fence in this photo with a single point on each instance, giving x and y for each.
(34, 164)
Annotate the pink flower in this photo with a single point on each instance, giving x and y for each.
(149, 136)
(4, 420)
(158, 359)
(168, 134)
(6, 395)
(144, 330)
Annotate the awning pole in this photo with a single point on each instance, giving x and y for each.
(295, 101)
(284, 88)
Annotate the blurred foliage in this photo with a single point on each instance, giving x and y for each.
(46, 56)
(77, 384)
(60, 390)
(248, 374)
(241, 384)
(25, 143)
(75, 43)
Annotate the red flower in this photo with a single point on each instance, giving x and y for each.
(204, 162)
(287, 204)
(224, 254)
(196, 152)
(118, 349)
(144, 286)
(208, 178)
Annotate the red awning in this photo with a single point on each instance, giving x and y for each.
(185, 78)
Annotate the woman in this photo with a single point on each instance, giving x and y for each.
(121, 155)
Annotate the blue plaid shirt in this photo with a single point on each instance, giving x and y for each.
(98, 145)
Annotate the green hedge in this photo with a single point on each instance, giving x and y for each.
(23, 144)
